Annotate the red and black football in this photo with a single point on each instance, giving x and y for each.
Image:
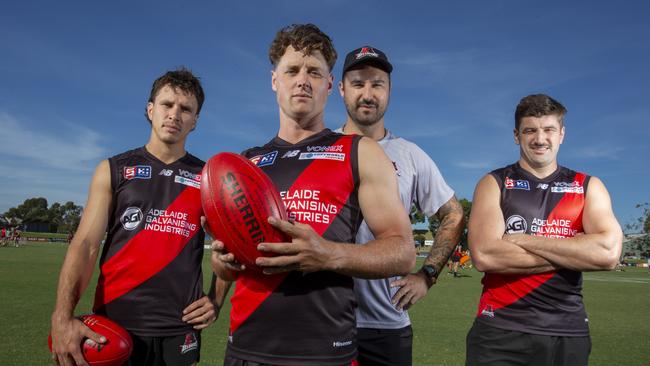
(114, 352)
(238, 197)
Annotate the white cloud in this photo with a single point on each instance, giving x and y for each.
(19, 141)
(599, 152)
(37, 164)
(475, 165)
(439, 62)
(423, 130)
(485, 82)
(20, 181)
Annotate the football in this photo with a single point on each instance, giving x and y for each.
(114, 352)
(238, 197)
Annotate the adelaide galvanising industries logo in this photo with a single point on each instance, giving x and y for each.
(131, 218)
(516, 225)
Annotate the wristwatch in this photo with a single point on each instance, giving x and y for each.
(430, 273)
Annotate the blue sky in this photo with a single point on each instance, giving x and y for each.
(75, 78)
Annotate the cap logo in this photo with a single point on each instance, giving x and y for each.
(365, 52)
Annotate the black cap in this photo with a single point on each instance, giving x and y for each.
(367, 55)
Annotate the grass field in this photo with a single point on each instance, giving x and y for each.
(618, 304)
(34, 234)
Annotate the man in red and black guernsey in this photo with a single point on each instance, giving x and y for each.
(147, 202)
(535, 227)
(300, 310)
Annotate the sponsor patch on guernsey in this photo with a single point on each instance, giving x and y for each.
(131, 218)
(187, 181)
(290, 154)
(337, 344)
(322, 155)
(264, 160)
(516, 224)
(331, 148)
(578, 190)
(137, 172)
(517, 184)
(568, 187)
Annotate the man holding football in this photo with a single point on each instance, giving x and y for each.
(147, 201)
(300, 310)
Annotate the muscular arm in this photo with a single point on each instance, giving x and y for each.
(77, 270)
(391, 252)
(451, 227)
(490, 252)
(82, 252)
(597, 249)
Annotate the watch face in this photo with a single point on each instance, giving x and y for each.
(429, 270)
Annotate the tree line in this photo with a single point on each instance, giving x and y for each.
(641, 226)
(64, 218)
(56, 218)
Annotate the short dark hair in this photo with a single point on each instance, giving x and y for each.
(538, 105)
(181, 78)
(302, 37)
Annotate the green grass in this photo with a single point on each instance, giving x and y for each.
(618, 304)
(33, 234)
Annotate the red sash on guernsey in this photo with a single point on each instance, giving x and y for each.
(251, 290)
(142, 257)
(502, 290)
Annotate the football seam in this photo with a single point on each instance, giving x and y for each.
(213, 205)
(120, 356)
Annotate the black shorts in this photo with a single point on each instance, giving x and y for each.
(390, 347)
(181, 350)
(492, 346)
(455, 258)
(232, 361)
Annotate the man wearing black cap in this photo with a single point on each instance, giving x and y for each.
(384, 329)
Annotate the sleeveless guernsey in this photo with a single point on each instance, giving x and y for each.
(303, 318)
(546, 303)
(150, 266)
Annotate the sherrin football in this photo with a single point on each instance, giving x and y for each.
(238, 197)
(114, 352)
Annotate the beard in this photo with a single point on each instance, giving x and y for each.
(365, 119)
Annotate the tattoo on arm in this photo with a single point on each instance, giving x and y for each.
(452, 224)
